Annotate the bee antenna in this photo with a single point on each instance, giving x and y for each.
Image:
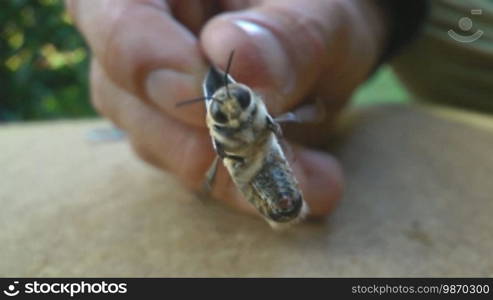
(191, 101)
(230, 61)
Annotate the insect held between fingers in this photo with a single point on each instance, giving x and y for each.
(246, 139)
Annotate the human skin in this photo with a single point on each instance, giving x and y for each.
(149, 55)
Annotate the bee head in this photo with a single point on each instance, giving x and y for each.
(231, 104)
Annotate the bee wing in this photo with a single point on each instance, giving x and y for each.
(214, 80)
(287, 150)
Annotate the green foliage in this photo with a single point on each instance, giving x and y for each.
(44, 66)
(43, 62)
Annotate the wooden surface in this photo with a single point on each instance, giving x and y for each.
(419, 202)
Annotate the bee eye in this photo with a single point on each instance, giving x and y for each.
(219, 117)
(243, 97)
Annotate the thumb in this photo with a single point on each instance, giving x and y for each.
(281, 47)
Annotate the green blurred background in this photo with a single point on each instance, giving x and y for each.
(44, 66)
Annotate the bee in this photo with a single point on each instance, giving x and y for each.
(246, 139)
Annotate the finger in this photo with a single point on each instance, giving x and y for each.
(183, 150)
(283, 47)
(145, 51)
(186, 151)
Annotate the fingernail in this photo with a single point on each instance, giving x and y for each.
(274, 55)
(165, 87)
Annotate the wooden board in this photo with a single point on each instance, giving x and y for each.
(418, 202)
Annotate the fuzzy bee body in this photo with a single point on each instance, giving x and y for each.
(245, 137)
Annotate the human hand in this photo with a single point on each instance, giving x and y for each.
(149, 55)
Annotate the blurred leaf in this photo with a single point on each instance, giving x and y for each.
(383, 87)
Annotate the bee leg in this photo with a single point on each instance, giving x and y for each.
(210, 175)
(222, 154)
